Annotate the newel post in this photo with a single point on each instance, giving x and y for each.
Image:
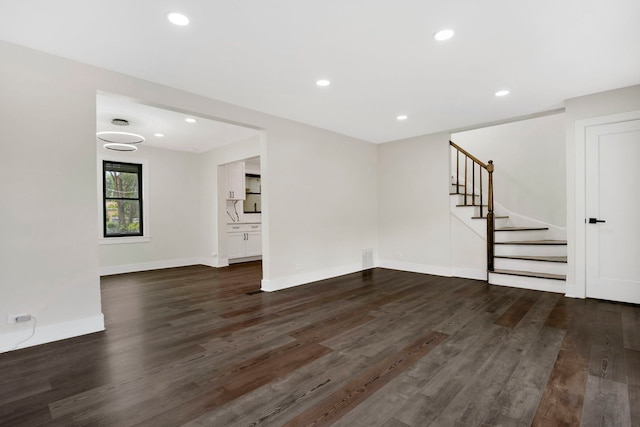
(490, 219)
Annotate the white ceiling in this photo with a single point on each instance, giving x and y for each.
(379, 54)
(145, 120)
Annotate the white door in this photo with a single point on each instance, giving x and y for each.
(613, 211)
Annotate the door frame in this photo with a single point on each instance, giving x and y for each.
(576, 246)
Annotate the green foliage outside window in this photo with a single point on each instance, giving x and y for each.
(122, 199)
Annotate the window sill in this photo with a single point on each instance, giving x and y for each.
(121, 240)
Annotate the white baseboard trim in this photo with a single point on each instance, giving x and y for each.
(245, 259)
(154, 265)
(50, 333)
(436, 270)
(573, 292)
(214, 262)
(272, 285)
(469, 273)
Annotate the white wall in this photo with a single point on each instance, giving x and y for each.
(530, 165)
(413, 204)
(48, 218)
(173, 217)
(320, 205)
(49, 247)
(579, 111)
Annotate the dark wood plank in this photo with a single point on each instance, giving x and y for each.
(606, 403)
(607, 351)
(367, 383)
(518, 401)
(632, 358)
(630, 330)
(563, 397)
(465, 397)
(202, 346)
(518, 309)
(559, 316)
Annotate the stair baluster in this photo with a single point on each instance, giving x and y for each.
(490, 214)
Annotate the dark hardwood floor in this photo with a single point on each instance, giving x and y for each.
(203, 347)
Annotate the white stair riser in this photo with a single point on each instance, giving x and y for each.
(460, 199)
(473, 211)
(507, 236)
(533, 266)
(499, 222)
(532, 250)
(534, 283)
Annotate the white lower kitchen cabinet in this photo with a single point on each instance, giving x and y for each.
(244, 240)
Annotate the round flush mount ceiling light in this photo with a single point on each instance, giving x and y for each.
(503, 92)
(190, 120)
(402, 117)
(159, 135)
(120, 137)
(177, 19)
(443, 35)
(120, 147)
(323, 82)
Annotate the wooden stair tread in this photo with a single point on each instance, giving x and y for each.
(470, 206)
(462, 194)
(522, 229)
(534, 242)
(494, 217)
(561, 259)
(531, 274)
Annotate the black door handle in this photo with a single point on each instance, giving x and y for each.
(594, 220)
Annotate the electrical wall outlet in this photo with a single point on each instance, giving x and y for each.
(18, 318)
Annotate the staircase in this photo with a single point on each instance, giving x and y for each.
(521, 252)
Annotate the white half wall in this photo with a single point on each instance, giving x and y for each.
(468, 251)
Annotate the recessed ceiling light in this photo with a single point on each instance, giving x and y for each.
(159, 135)
(443, 35)
(190, 120)
(177, 19)
(402, 117)
(323, 82)
(502, 93)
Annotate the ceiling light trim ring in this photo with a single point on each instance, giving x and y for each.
(113, 137)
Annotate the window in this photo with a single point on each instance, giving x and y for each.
(122, 199)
